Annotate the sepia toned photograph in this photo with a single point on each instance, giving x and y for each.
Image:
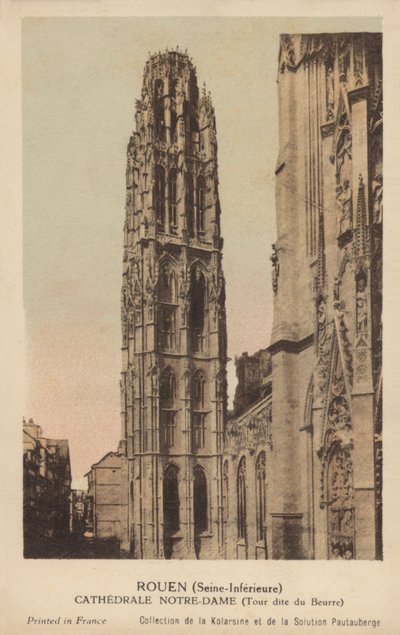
(202, 270)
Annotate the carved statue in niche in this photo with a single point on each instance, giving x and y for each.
(343, 154)
(341, 505)
(338, 413)
(361, 305)
(377, 199)
(343, 208)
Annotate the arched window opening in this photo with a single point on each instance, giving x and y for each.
(167, 308)
(174, 120)
(172, 209)
(197, 310)
(174, 86)
(200, 505)
(241, 499)
(189, 203)
(170, 507)
(201, 205)
(260, 495)
(199, 413)
(160, 197)
(159, 110)
(167, 409)
(167, 290)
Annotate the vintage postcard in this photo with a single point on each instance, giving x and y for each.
(195, 272)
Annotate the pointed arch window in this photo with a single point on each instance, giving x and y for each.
(189, 203)
(160, 196)
(241, 500)
(167, 307)
(159, 110)
(172, 201)
(260, 495)
(167, 409)
(174, 121)
(171, 507)
(197, 310)
(201, 205)
(200, 502)
(199, 414)
(167, 282)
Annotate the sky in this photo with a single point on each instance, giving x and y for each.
(80, 78)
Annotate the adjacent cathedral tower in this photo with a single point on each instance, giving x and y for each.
(173, 385)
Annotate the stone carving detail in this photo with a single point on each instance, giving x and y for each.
(322, 324)
(358, 61)
(324, 331)
(184, 295)
(275, 268)
(132, 293)
(343, 48)
(344, 208)
(344, 347)
(335, 454)
(338, 412)
(217, 294)
(361, 305)
(341, 505)
(330, 95)
(251, 431)
(377, 199)
(150, 287)
(289, 52)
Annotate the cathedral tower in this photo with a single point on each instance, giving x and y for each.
(173, 385)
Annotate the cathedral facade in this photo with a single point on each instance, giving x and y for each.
(295, 471)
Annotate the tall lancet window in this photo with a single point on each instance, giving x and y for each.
(167, 307)
(201, 205)
(199, 413)
(172, 201)
(189, 203)
(171, 507)
(197, 310)
(160, 197)
(167, 409)
(260, 495)
(159, 110)
(200, 504)
(241, 499)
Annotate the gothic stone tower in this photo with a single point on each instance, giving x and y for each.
(173, 386)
